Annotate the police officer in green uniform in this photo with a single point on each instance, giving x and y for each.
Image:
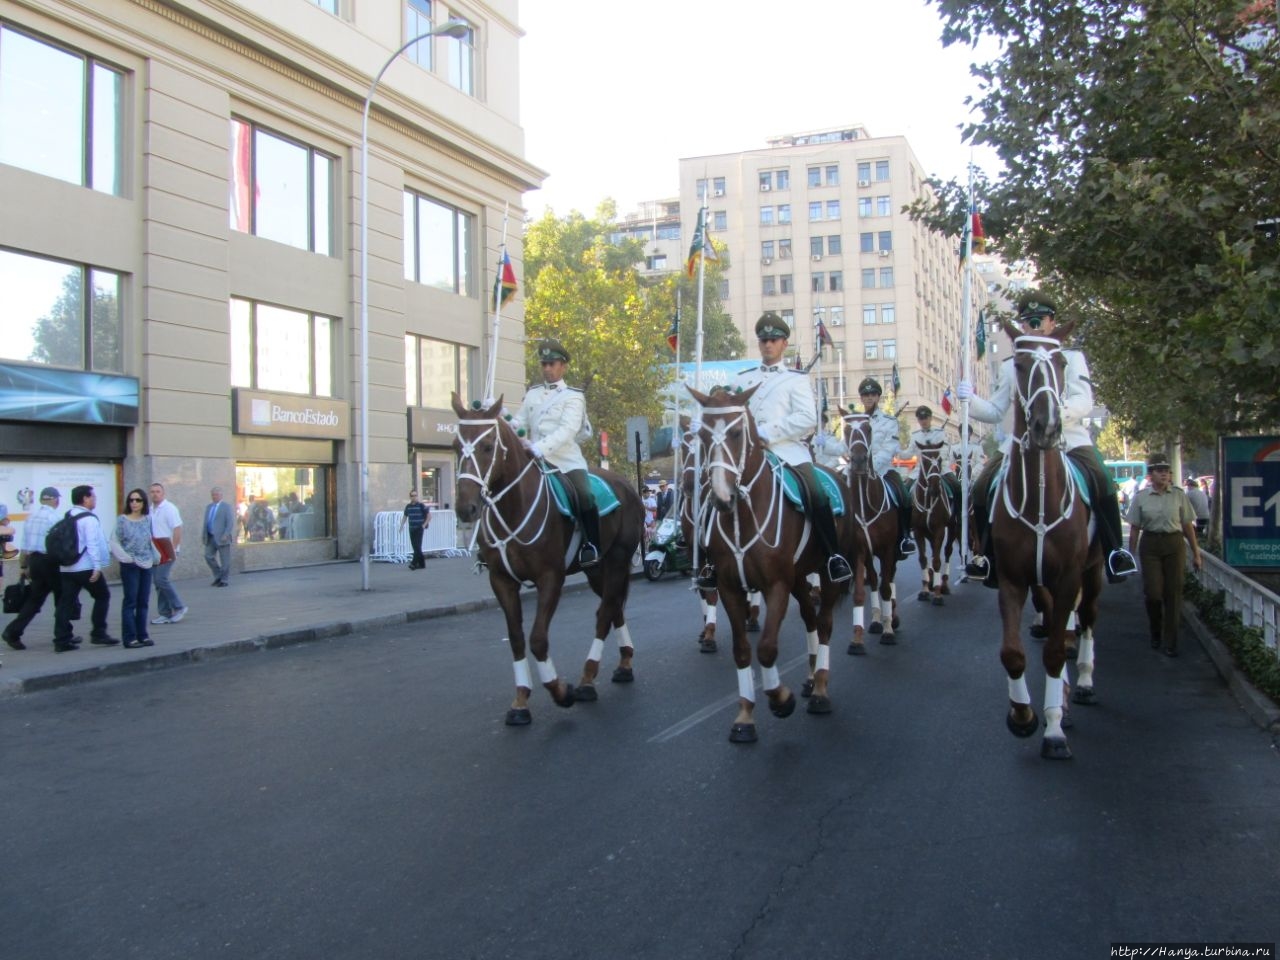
(553, 421)
(884, 447)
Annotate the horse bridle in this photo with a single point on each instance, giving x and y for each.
(929, 468)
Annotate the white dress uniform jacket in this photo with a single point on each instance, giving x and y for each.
(884, 441)
(552, 416)
(1078, 397)
(930, 436)
(784, 407)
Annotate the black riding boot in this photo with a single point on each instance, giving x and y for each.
(589, 552)
(824, 524)
(908, 545)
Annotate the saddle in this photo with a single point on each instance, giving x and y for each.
(791, 484)
(606, 500)
(1081, 479)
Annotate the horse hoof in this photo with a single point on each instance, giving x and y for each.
(1067, 721)
(1055, 748)
(570, 696)
(519, 718)
(1038, 631)
(707, 646)
(585, 693)
(820, 705)
(924, 596)
(806, 688)
(742, 733)
(895, 622)
(856, 649)
(876, 627)
(938, 601)
(946, 590)
(1084, 695)
(1022, 730)
(623, 675)
(784, 709)
(888, 640)
(753, 626)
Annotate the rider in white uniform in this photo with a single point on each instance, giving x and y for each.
(884, 447)
(928, 433)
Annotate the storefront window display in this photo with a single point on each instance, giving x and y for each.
(276, 503)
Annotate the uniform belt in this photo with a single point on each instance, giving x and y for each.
(1162, 533)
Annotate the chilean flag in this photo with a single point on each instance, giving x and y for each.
(947, 404)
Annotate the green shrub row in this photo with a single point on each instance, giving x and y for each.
(1255, 659)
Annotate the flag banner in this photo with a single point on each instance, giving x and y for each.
(701, 246)
(504, 284)
(824, 338)
(982, 334)
(979, 238)
(947, 405)
(673, 335)
(897, 381)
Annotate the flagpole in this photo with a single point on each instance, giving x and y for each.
(677, 462)
(497, 309)
(966, 373)
(697, 383)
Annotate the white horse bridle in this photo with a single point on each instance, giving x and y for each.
(928, 470)
(851, 422)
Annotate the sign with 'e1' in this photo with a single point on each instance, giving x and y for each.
(1250, 491)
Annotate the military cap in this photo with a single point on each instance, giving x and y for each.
(869, 385)
(1158, 461)
(770, 326)
(1033, 304)
(922, 412)
(550, 350)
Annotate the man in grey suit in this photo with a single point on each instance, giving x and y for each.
(219, 523)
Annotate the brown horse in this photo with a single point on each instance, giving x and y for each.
(756, 541)
(524, 539)
(1043, 542)
(873, 535)
(936, 525)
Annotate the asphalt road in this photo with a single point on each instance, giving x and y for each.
(361, 798)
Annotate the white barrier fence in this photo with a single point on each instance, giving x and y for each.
(1258, 607)
(391, 544)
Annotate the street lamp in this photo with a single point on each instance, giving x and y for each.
(455, 29)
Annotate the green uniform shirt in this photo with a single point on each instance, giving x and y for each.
(1166, 512)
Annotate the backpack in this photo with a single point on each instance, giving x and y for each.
(62, 542)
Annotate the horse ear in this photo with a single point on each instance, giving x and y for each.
(746, 395)
(700, 397)
(1062, 331)
(493, 410)
(1010, 328)
(458, 407)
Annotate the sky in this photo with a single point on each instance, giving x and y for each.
(610, 103)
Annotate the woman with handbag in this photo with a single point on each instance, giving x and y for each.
(131, 544)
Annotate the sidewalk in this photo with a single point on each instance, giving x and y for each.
(260, 610)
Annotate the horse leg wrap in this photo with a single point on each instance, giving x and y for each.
(596, 651)
(859, 616)
(1084, 659)
(769, 678)
(746, 685)
(546, 670)
(1053, 687)
(1018, 692)
(811, 638)
(709, 613)
(822, 659)
(813, 580)
(754, 598)
(522, 673)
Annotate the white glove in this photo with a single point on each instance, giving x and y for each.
(695, 426)
(535, 450)
(820, 442)
(764, 432)
(964, 390)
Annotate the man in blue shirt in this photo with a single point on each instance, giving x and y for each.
(418, 515)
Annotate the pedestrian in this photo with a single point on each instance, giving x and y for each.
(7, 552)
(553, 417)
(1200, 504)
(666, 499)
(650, 502)
(418, 516)
(1161, 523)
(884, 447)
(131, 545)
(1037, 317)
(216, 534)
(166, 533)
(87, 573)
(39, 568)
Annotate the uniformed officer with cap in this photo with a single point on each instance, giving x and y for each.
(553, 417)
(927, 433)
(1037, 316)
(884, 446)
(783, 410)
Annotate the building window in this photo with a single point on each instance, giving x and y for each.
(868, 278)
(435, 368)
(766, 179)
(330, 6)
(766, 216)
(723, 291)
(882, 207)
(700, 188)
(869, 315)
(886, 276)
(766, 249)
(832, 175)
(886, 239)
(719, 221)
(835, 281)
(786, 283)
(718, 185)
(833, 209)
(789, 318)
(889, 349)
(784, 213)
(417, 21)
(461, 52)
(815, 210)
(867, 242)
(769, 285)
(864, 172)
(837, 316)
(60, 314)
(887, 314)
(784, 248)
(882, 169)
(61, 113)
(439, 242)
(817, 281)
(274, 348)
(834, 246)
(782, 179)
(281, 190)
(871, 350)
(864, 206)
(815, 176)
(815, 246)
(281, 502)
(656, 262)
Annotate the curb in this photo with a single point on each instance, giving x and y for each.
(1256, 704)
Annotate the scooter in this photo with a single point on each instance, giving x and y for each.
(667, 552)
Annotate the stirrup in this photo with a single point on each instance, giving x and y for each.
(588, 555)
(838, 569)
(706, 578)
(1120, 564)
(977, 566)
(907, 547)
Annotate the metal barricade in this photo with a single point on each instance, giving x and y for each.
(1258, 607)
(391, 544)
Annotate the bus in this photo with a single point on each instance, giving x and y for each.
(1122, 470)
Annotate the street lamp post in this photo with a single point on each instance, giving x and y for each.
(456, 29)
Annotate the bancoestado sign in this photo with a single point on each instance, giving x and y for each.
(1249, 485)
(289, 415)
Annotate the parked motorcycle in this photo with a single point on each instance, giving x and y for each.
(667, 552)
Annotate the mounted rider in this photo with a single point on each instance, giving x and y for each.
(927, 434)
(1037, 317)
(884, 446)
(784, 413)
(552, 422)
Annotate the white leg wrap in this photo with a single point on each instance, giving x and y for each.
(1018, 692)
(624, 636)
(746, 685)
(546, 670)
(859, 617)
(1053, 693)
(811, 638)
(709, 613)
(1084, 659)
(754, 598)
(522, 673)
(1072, 621)
(823, 660)
(893, 591)
(769, 678)
(596, 651)
(813, 580)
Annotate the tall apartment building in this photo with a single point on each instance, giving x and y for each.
(814, 228)
(179, 250)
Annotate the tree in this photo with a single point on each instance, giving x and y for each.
(721, 339)
(1140, 145)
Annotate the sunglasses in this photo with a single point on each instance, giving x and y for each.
(1035, 323)
(135, 500)
(867, 393)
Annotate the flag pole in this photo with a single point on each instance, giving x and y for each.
(697, 382)
(966, 373)
(677, 462)
(497, 309)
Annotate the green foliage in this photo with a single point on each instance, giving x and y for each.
(721, 339)
(1140, 144)
(1255, 659)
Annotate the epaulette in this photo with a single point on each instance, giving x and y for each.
(794, 370)
(574, 389)
(748, 370)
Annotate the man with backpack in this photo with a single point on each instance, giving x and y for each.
(87, 571)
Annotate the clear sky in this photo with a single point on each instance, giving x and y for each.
(612, 95)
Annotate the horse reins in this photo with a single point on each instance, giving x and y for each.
(853, 423)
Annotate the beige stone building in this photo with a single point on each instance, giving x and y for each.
(179, 249)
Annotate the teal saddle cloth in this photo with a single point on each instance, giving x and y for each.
(1082, 483)
(791, 485)
(606, 500)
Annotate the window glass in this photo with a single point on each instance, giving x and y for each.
(766, 215)
(815, 246)
(882, 207)
(890, 349)
(887, 314)
(436, 254)
(835, 280)
(833, 244)
(784, 248)
(42, 105)
(833, 209)
(864, 206)
(867, 242)
(718, 185)
(321, 203)
(868, 278)
(330, 5)
(837, 316)
(411, 375)
(815, 210)
(766, 180)
(462, 61)
(438, 371)
(786, 283)
(280, 190)
(871, 350)
(864, 171)
(283, 350)
(817, 281)
(783, 179)
(815, 176)
(784, 213)
(766, 249)
(286, 502)
(869, 314)
(769, 285)
(241, 344)
(832, 176)
(417, 21)
(720, 222)
(108, 353)
(886, 276)
(323, 356)
(886, 239)
(108, 130)
(882, 169)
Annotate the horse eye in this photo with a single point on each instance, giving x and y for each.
(487, 448)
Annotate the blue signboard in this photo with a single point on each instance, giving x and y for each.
(49, 394)
(1250, 491)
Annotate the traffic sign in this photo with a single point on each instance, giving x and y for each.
(1249, 486)
(637, 426)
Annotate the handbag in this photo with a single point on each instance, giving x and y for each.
(15, 595)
